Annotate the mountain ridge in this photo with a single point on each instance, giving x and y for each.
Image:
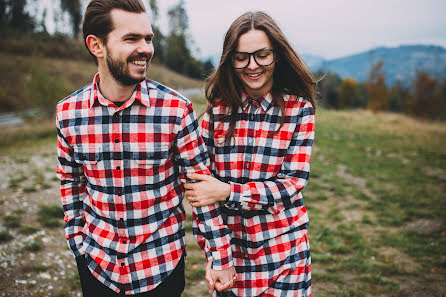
(401, 64)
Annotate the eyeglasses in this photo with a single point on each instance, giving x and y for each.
(263, 57)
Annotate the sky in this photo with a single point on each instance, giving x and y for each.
(326, 28)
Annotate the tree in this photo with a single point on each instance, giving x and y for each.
(13, 15)
(208, 67)
(363, 96)
(348, 93)
(159, 40)
(398, 96)
(378, 93)
(178, 55)
(328, 88)
(178, 19)
(426, 100)
(74, 9)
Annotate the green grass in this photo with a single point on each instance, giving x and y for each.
(376, 167)
(50, 215)
(373, 177)
(12, 221)
(34, 246)
(5, 236)
(28, 230)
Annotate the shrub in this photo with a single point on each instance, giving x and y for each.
(50, 215)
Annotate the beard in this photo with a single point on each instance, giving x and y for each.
(120, 71)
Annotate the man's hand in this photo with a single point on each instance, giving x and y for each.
(220, 280)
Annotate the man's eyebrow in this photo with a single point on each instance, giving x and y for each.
(136, 35)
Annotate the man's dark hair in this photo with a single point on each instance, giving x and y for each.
(97, 18)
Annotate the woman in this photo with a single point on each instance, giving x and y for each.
(259, 130)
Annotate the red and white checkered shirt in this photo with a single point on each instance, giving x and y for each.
(265, 211)
(121, 171)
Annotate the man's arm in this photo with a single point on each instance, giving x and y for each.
(73, 192)
(214, 236)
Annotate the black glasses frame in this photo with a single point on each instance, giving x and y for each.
(254, 55)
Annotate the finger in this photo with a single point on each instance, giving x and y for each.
(228, 285)
(196, 176)
(208, 277)
(189, 186)
(219, 287)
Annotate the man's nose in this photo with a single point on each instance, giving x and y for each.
(145, 47)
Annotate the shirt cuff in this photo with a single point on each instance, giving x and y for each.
(235, 198)
(222, 259)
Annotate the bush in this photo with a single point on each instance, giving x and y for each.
(50, 215)
(5, 236)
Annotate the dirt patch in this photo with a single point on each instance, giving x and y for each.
(435, 172)
(424, 225)
(400, 259)
(357, 181)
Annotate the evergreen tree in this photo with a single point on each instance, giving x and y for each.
(328, 88)
(159, 40)
(13, 15)
(74, 9)
(398, 96)
(178, 54)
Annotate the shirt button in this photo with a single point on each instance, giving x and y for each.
(116, 140)
(118, 168)
(124, 241)
(119, 192)
(122, 264)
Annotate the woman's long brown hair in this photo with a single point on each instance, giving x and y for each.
(291, 74)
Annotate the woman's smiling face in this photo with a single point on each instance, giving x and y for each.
(257, 80)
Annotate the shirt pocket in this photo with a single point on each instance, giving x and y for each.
(89, 155)
(152, 156)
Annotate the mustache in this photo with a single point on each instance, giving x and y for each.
(138, 57)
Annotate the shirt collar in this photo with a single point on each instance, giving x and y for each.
(140, 94)
(266, 101)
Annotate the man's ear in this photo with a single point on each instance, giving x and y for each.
(95, 45)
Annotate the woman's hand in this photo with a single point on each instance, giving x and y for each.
(220, 280)
(208, 190)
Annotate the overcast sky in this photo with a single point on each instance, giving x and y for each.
(329, 28)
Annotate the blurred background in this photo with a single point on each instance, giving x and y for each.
(377, 192)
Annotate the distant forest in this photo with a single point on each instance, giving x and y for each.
(424, 97)
(25, 34)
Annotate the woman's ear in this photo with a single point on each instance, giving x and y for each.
(95, 45)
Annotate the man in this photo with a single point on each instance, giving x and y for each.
(125, 145)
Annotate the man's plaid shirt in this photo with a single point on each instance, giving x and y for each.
(121, 172)
(267, 171)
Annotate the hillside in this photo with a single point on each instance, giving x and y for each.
(74, 74)
(400, 63)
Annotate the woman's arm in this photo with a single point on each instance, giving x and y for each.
(272, 195)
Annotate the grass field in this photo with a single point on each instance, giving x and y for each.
(376, 200)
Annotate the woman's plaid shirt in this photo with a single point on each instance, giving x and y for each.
(121, 172)
(266, 171)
